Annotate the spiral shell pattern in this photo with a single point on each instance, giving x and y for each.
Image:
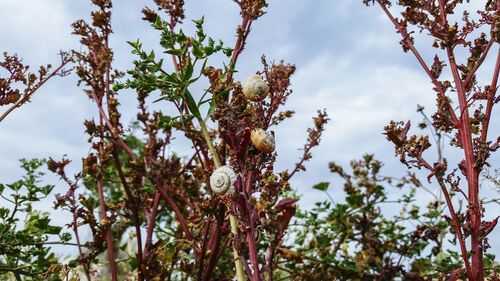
(255, 89)
(263, 140)
(222, 180)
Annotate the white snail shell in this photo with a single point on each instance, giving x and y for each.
(255, 89)
(263, 140)
(222, 180)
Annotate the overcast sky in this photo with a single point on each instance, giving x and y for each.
(348, 60)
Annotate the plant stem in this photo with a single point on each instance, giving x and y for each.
(420, 60)
(26, 97)
(109, 235)
(208, 140)
(134, 208)
(473, 190)
(240, 276)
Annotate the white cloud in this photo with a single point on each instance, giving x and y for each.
(36, 30)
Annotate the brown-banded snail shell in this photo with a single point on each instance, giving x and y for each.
(262, 140)
(222, 180)
(255, 89)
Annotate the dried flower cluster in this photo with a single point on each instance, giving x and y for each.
(464, 107)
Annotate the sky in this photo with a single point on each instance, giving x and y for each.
(348, 61)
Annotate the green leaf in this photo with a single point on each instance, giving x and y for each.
(227, 51)
(432, 214)
(192, 104)
(73, 263)
(175, 52)
(117, 87)
(354, 200)
(4, 212)
(135, 44)
(166, 122)
(55, 230)
(133, 263)
(199, 22)
(323, 186)
(188, 72)
(46, 189)
(198, 51)
(65, 237)
(210, 109)
(15, 186)
(151, 55)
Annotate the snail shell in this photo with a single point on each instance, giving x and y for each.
(222, 180)
(263, 140)
(255, 89)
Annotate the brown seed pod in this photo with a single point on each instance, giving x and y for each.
(262, 140)
(255, 89)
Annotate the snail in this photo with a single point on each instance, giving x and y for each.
(255, 89)
(262, 140)
(222, 180)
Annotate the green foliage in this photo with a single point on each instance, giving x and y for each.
(25, 234)
(353, 240)
(148, 74)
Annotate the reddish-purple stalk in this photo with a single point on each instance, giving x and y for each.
(102, 201)
(74, 227)
(453, 214)
(246, 24)
(74, 224)
(252, 246)
(491, 101)
(26, 97)
(203, 250)
(419, 58)
(104, 121)
(250, 234)
(474, 268)
(472, 173)
(151, 217)
(109, 234)
(178, 213)
(214, 244)
(130, 197)
(133, 205)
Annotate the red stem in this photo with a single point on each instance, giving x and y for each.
(27, 95)
(151, 222)
(246, 23)
(478, 64)
(74, 224)
(133, 203)
(252, 246)
(203, 252)
(472, 173)
(109, 234)
(456, 225)
(420, 60)
(491, 100)
(177, 212)
(215, 239)
(115, 138)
